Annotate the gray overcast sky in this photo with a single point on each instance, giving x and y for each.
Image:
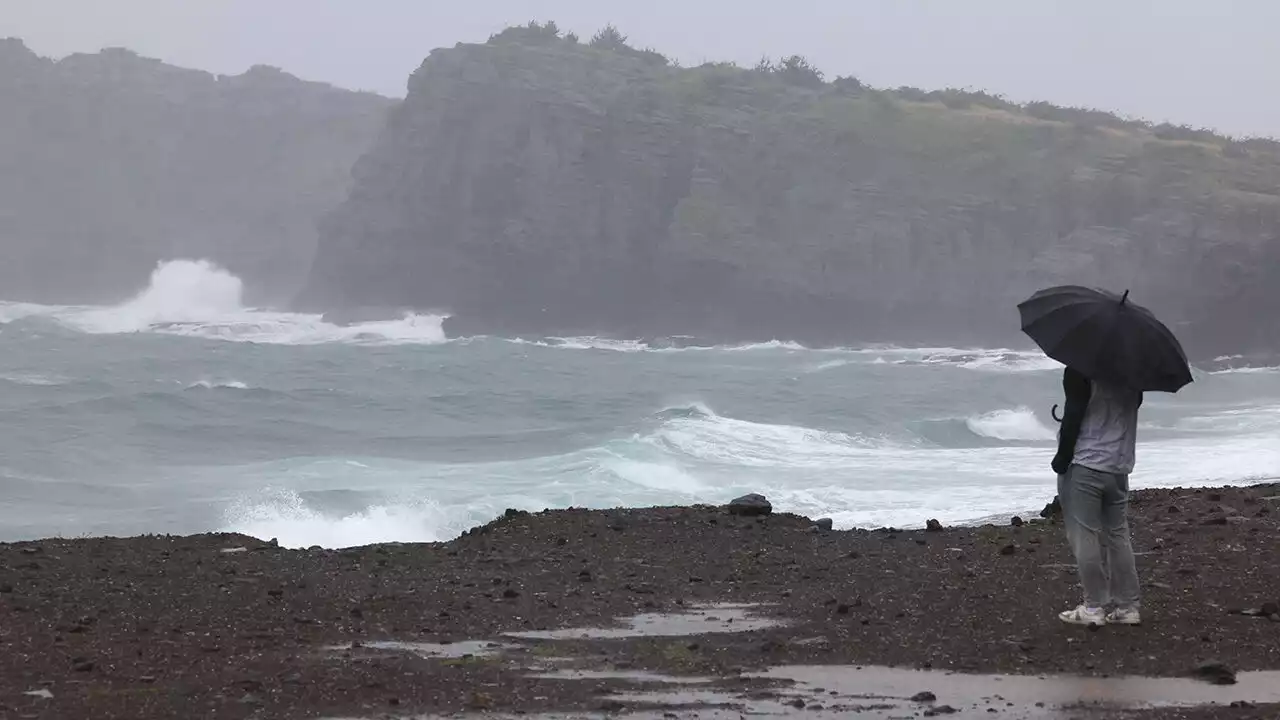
(1202, 62)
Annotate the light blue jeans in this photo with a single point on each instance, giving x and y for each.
(1095, 509)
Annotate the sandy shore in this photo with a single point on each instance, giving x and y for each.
(232, 627)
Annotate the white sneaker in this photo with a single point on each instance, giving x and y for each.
(1084, 616)
(1124, 616)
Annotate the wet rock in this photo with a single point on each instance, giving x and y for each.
(824, 523)
(612, 706)
(1270, 608)
(1009, 549)
(1214, 672)
(751, 505)
(585, 576)
(1053, 509)
(924, 697)
(511, 593)
(1017, 521)
(798, 704)
(940, 710)
(83, 666)
(933, 526)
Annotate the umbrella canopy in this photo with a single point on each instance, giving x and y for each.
(1105, 337)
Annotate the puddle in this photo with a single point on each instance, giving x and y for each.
(960, 689)
(698, 620)
(885, 693)
(466, 648)
(630, 676)
(872, 693)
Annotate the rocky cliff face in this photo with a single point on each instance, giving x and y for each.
(110, 163)
(554, 188)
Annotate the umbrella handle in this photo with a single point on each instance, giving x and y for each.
(1053, 412)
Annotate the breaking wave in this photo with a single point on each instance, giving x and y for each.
(688, 454)
(195, 298)
(1017, 424)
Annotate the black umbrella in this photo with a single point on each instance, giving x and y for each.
(1105, 337)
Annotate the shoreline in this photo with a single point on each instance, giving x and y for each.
(192, 626)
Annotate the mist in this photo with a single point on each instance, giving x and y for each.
(1183, 61)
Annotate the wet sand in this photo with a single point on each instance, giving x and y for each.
(232, 627)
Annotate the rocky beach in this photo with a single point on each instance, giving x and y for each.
(707, 610)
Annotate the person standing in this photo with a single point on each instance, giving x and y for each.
(1096, 453)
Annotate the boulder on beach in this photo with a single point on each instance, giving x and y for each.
(751, 505)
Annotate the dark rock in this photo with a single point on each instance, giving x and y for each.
(5, 588)
(842, 609)
(1017, 521)
(1173, 509)
(798, 704)
(933, 526)
(824, 523)
(752, 505)
(357, 613)
(1053, 509)
(1214, 672)
(1270, 608)
(510, 593)
(1009, 549)
(924, 697)
(940, 710)
(612, 706)
(82, 666)
(585, 576)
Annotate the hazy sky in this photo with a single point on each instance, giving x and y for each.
(1201, 62)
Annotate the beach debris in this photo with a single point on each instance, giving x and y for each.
(1214, 672)
(751, 505)
(41, 693)
(933, 525)
(233, 550)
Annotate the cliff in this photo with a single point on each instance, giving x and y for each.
(112, 162)
(536, 185)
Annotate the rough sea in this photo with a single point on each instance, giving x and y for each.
(182, 411)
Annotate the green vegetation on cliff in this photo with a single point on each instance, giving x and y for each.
(545, 185)
(110, 163)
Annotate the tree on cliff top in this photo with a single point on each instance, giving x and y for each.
(531, 34)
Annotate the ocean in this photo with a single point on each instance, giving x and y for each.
(182, 411)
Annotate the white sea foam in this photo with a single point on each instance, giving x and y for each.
(33, 379)
(1016, 424)
(702, 435)
(286, 517)
(1246, 370)
(217, 385)
(200, 300)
